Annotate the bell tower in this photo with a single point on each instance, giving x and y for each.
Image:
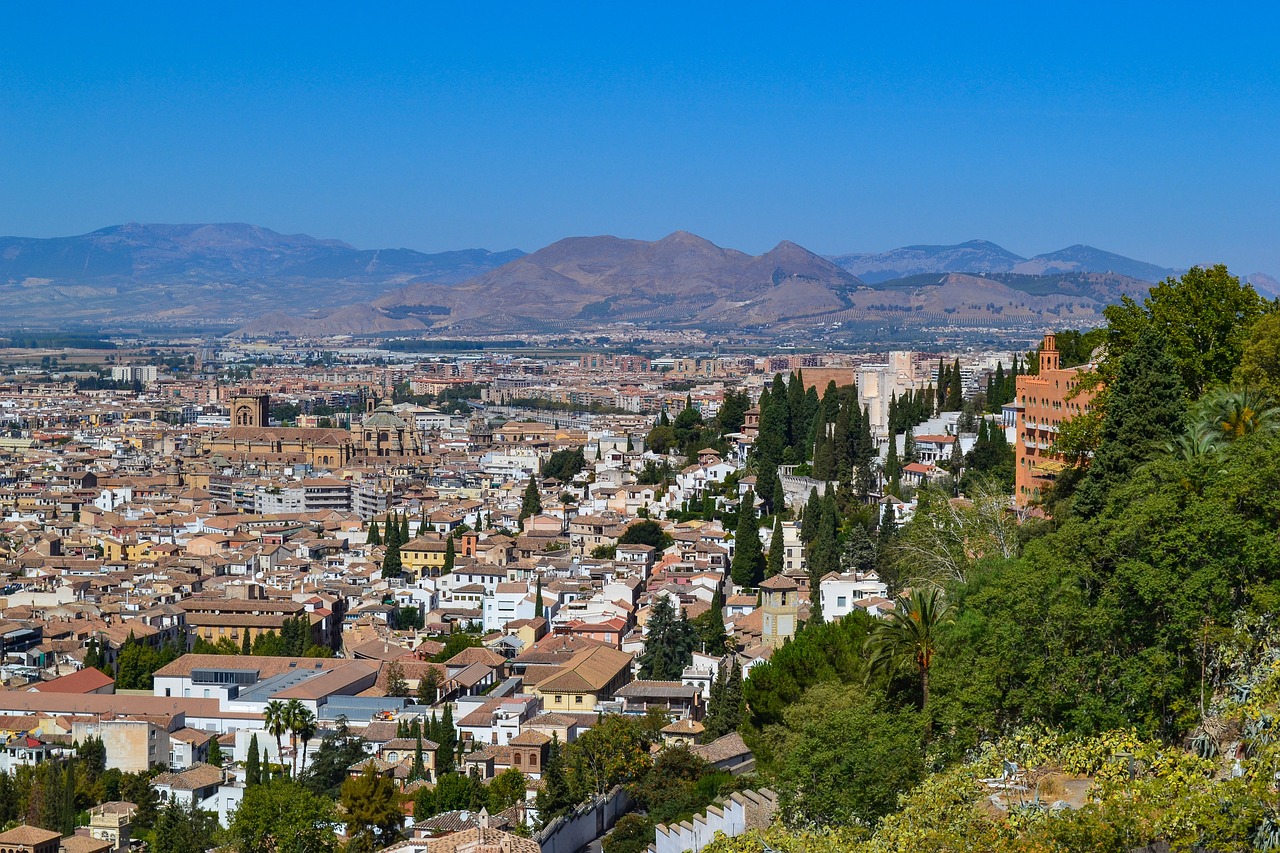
(250, 410)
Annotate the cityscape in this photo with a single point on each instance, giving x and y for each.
(759, 537)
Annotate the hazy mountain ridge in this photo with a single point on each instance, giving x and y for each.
(219, 271)
(684, 280)
(267, 282)
(982, 256)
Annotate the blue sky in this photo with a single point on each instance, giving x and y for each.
(1150, 131)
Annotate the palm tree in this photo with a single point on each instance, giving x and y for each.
(910, 634)
(1232, 413)
(1198, 442)
(294, 714)
(305, 727)
(276, 723)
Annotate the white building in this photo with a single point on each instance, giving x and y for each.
(840, 593)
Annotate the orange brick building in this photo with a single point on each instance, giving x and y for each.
(1043, 406)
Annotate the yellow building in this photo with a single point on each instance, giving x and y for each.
(591, 676)
(423, 556)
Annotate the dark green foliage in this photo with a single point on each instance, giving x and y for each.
(843, 757)
(564, 465)
(633, 833)
(252, 763)
(1202, 319)
(284, 817)
(214, 756)
(375, 538)
(184, 829)
(669, 643)
(554, 797)
(822, 652)
(371, 810)
(392, 567)
(724, 711)
(992, 458)
(531, 504)
(748, 556)
(776, 559)
(709, 626)
(732, 412)
(1145, 412)
(646, 532)
(328, 767)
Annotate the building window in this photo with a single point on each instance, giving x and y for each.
(577, 700)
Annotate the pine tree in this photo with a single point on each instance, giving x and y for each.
(777, 550)
(375, 538)
(748, 556)
(668, 644)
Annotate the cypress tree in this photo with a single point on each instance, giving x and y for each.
(892, 467)
(537, 599)
(955, 391)
(214, 756)
(375, 538)
(448, 740)
(246, 645)
(747, 569)
(419, 770)
(404, 528)
(532, 502)
(392, 567)
(866, 444)
(777, 550)
(450, 555)
(252, 766)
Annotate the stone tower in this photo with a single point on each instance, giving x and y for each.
(250, 410)
(780, 607)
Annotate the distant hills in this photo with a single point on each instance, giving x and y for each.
(167, 273)
(684, 280)
(267, 283)
(980, 256)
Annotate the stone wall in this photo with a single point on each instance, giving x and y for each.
(735, 815)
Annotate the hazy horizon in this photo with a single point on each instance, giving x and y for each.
(843, 130)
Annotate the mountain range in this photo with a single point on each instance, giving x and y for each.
(167, 273)
(980, 256)
(266, 282)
